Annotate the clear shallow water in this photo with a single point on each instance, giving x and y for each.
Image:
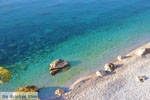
(85, 33)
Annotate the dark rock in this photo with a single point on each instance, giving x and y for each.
(54, 71)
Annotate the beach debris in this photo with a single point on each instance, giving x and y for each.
(5, 75)
(109, 67)
(120, 58)
(59, 92)
(141, 78)
(31, 88)
(142, 52)
(99, 74)
(57, 65)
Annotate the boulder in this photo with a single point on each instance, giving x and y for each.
(57, 65)
(120, 58)
(142, 52)
(109, 67)
(5, 75)
(28, 89)
(99, 74)
(59, 92)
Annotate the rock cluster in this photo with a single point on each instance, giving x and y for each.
(57, 65)
(109, 67)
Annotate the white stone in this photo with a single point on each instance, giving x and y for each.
(142, 52)
(99, 74)
(120, 58)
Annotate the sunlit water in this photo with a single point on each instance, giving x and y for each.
(87, 33)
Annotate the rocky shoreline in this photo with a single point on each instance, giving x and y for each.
(131, 72)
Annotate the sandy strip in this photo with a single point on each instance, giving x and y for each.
(122, 84)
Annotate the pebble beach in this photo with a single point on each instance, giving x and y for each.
(122, 84)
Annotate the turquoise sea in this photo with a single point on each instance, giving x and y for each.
(86, 33)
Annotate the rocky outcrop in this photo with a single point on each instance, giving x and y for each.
(5, 75)
(57, 65)
(142, 52)
(109, 67)
(59, 92)
(28, 89)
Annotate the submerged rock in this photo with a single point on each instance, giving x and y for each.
(110, 67)
(5, 75)
(142, 52)
(57, 65)
(59, 92)
(28, 89)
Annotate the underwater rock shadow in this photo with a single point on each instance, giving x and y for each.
(74, 63)
(48, 93)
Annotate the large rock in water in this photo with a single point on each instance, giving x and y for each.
(57, 65)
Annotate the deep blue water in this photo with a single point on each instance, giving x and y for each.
(86, 33)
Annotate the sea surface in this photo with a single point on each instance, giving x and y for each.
(86, 33)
